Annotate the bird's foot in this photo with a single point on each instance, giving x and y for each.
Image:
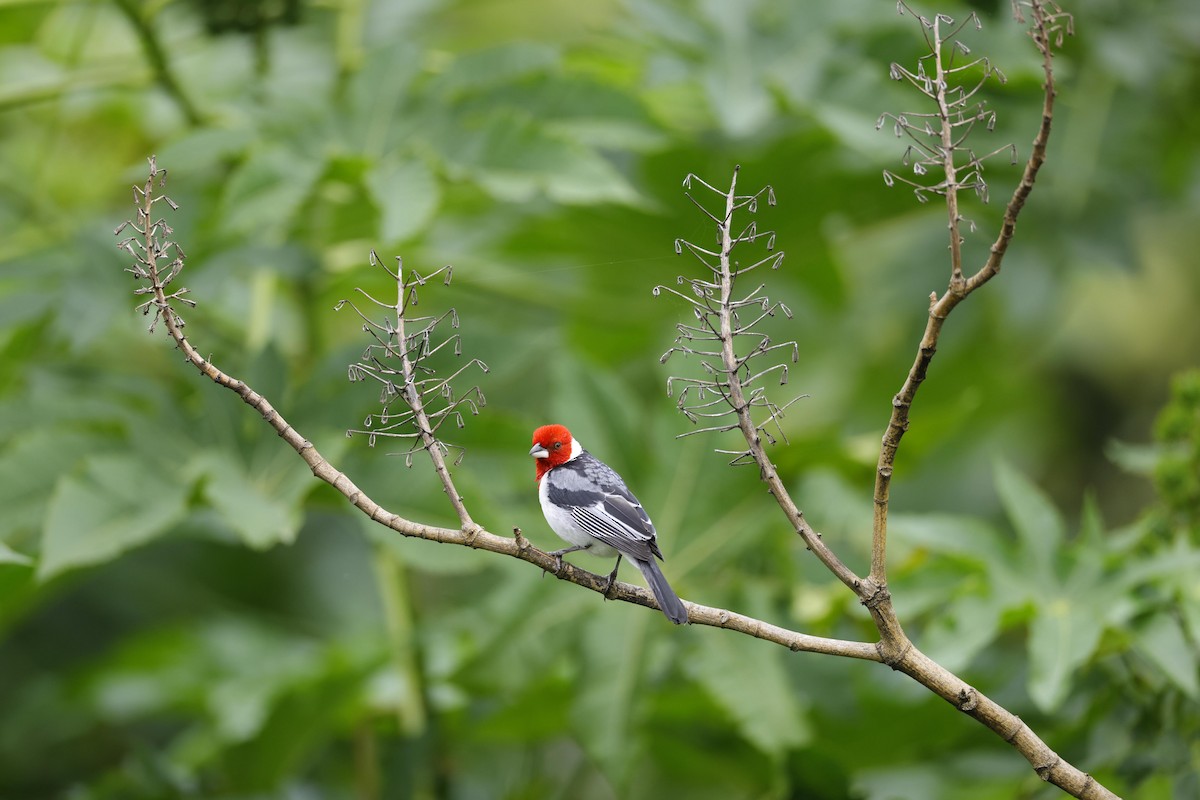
(608, 585)
(558, 559)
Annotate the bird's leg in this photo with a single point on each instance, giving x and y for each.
(558, 554)
(612, 577)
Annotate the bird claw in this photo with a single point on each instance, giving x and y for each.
(558, 561)
(608, 585)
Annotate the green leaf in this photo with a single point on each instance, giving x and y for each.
(1063, 634)
(260, 505)
(1163, 642)
(614, 648)
(116, 503)
(963, 536)
(514, 157)
(474, 72)
(968, 626)
(263, 194)
(1136, 459)
(198, 151)
(580, 109)
(748, 681)
(30, 465)
(407, 194)
(1038, 524)
(10, 556)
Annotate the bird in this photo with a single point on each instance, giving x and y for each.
(589, 506)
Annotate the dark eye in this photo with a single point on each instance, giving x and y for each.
(557, 445)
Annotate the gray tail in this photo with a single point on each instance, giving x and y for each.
(668, 601)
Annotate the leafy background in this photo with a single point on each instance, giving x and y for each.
(185, 612)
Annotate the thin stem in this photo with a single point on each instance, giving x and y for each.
(413, 397)
(940, 307)
(158, 61)
(737, 400)
(947, 153)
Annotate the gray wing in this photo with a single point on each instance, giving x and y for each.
(615, 517)
(620, 524)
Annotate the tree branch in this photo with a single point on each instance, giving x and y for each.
(1046, 19)
(152, 247)
(731, 382)
(741, 408)
(894, 647)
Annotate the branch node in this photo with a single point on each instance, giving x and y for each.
(891, 657)
(1011, 735)
(1045, 769)
(875, 595)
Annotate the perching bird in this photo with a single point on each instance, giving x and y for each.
(588, 505)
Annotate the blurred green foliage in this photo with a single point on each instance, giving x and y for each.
(185, 612)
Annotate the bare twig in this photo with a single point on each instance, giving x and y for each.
(730, 381)
(729, 385)
(151, 248)
(1049, 24)
(397, 362)
(935, 147)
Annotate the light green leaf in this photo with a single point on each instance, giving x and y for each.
(949, 534)
(1038, 524)
(614, 655)
(581, 109)
(1137, 459)
(197, 151)
(1163, 642)
(29, 468)
(748, 681)
(969, 624)
(10, 556)
(255, 504)
(264, 192)
(1063, 634)
(474, 72)
(116, 503)
(407, 195)
(514, 157)
(1091, 523)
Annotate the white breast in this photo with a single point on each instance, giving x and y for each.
(564, 525)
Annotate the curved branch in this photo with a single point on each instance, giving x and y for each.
(894, 648)
(475, 536)
(152, 248)
(958, 290)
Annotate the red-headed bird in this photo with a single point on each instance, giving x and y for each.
(588, 505)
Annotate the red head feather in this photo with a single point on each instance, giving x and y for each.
(556, 441)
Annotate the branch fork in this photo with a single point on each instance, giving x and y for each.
(727, 397)
(937, 146)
